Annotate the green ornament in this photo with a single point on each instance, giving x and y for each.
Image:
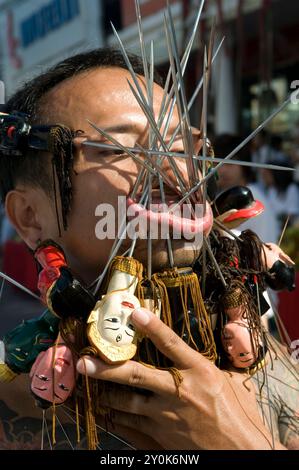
(22, 345)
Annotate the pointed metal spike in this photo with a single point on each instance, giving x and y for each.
(178, 84)
(142, 47)
(158, 168)
(214, 261)
(204, 266)
(196, 91)
(196, 23)
(187, 133)
(151, 77)
(282, 232)
(152, 122)
(233, 152)
(95, 285)
(151, 136)
(122, 147)
(132, 247)
(165, 178)
(204, 123)
(183, 64)
(174, 53)
(116, 246)
(227, 230)
(129, 65)
(168, 240)
(195, 157)
(170, 99)
(2, 288)
(123, 225)
(149, 240)
(184, 60)
(20, 286)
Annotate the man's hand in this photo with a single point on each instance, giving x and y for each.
(212, 410)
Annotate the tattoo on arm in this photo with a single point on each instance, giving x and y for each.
(25, 432)
(18, 432)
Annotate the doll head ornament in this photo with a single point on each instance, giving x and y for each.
(114, 324)
(64, 295)
(240, 346)
(110, 330)
(240, 342)
(53, 375)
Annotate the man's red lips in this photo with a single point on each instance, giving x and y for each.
(185, 226)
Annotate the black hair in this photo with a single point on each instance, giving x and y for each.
(33, 167)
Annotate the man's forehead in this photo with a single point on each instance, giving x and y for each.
(102, 82)
(101, 94)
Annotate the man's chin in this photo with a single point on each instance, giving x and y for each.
(185, 253)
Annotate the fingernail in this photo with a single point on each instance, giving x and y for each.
(86, 366)
(141, 316)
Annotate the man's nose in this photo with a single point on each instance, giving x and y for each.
(175, 172)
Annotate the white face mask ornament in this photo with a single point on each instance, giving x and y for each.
(110, 329)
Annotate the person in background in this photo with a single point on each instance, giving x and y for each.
(294, 153)
(266, 147)
(265, 225)
(283, 193)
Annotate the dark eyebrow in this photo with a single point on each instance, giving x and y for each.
(122, 128)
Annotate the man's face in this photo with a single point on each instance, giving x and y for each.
(103, 96)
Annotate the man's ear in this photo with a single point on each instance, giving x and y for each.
(22, 211)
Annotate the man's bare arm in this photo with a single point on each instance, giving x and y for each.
(21, 421)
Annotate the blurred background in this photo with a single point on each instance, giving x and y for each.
(256, 69)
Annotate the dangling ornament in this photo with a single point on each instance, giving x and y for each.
(22, 345)
(110, 330)
(236, 205)
(53, 375)
(241, 340)
(183, 309)
(280, 273)
(64, 295)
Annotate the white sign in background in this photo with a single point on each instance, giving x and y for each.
(65, 36)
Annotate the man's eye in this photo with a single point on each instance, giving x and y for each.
(112, 320)
(112, 152)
